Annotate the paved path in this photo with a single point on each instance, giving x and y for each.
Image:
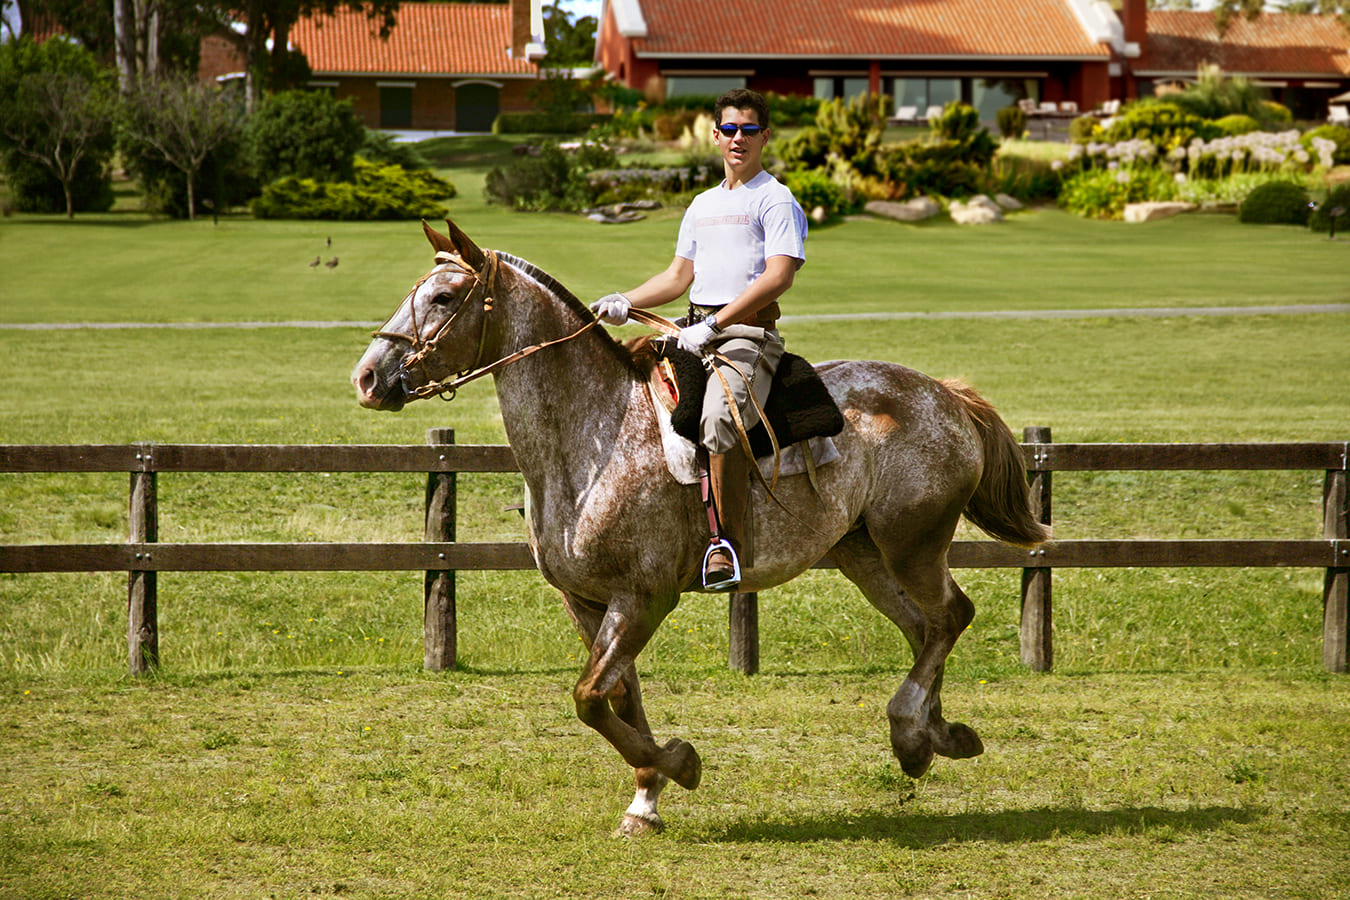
(1159, 312)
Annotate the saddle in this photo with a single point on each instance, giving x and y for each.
(799, 406)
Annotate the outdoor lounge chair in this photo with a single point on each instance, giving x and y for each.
(1339, 114)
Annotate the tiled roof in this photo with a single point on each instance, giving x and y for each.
(866, 28)
(1271, 44)
(429, 39)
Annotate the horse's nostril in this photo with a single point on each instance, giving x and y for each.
(366, 381)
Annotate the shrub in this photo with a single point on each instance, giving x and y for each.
(547, 122)
(1164, 125)
(813, 188)
(1237, 124)
(1024, 178)
(671, 183)
(850, 131)
(1084, 129)
(377, 192)
(380, 147)
(1337, 134)
(225, 179)
(1012, 121)
(1104, 193)
(549, 179)
(35, 189)
(307, 134)
(1275, 203)
(1337, 198)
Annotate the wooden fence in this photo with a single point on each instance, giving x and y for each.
(440, 555)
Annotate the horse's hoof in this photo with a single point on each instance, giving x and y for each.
(637, 826)
(961, 742)
(914, 750)
(688, 768)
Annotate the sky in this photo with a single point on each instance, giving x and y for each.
(579, 8)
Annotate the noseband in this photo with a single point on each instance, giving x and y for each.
(485, 281)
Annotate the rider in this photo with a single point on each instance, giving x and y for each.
(740, 245)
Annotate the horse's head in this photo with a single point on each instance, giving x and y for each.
(437, 331)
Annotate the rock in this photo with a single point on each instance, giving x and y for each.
(911, 211)
(986, 201)
(1148, 212)
(1011, 204)
(975, 212)
(819, 215)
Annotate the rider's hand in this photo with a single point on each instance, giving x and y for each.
(612, 309)
(695, 337)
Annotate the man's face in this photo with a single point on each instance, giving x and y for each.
(740, 151)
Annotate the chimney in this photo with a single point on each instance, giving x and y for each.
(1134, 16)
(527, 29)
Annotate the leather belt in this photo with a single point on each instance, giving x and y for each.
(764, 318)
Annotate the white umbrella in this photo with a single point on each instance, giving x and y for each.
(1341, 98)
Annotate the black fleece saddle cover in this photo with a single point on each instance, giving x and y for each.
(799, 406)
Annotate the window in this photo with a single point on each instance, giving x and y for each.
(989, 95)
(702, 85)
(830, 87)
(922, 93)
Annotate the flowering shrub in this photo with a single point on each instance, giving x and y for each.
(619, 185)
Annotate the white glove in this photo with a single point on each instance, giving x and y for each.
(612, 309)
(695, 337)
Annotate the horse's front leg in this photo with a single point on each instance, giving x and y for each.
(609, 698)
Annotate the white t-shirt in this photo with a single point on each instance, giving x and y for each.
(730, 233)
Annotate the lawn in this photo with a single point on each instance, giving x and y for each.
(1188, 743)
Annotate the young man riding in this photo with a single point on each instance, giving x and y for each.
(740, 245)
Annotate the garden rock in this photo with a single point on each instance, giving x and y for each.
(1148, 212)
(1011, 204)
(979, 211)
(911, 211)
(620, 213)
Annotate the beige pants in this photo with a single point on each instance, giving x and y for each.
(755, 353)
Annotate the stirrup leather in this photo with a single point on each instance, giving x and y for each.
(721, 543)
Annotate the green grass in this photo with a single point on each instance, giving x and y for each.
(1188, 743)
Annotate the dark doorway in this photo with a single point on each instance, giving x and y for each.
(475, 107)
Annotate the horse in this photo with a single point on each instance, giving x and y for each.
(621, 538)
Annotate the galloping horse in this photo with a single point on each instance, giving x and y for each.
(621, 538)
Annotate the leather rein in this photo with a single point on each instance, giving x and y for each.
(485, 281)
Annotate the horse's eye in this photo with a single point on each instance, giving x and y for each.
(442, 299)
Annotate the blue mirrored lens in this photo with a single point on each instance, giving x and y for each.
(747, 130)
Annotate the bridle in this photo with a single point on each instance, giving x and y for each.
(485, 281)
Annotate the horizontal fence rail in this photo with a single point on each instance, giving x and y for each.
(143, 556)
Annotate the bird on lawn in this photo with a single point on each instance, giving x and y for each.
(328, 242)
(315, 264)
(332, 263)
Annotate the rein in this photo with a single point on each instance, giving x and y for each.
(486, 279)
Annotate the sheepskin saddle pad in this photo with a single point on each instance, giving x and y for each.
(799, 405)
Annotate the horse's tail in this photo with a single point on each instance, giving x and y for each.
(1001, 506)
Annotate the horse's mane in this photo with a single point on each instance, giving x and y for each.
(568, 299)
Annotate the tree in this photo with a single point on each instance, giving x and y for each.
(56, 110)
(568, 43)
(308, 134)
(179, 121)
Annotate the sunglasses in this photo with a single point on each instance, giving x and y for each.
(748, 130)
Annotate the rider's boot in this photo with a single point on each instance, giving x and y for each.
(729, 481)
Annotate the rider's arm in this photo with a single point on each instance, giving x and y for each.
(773, 282)
(664, 286)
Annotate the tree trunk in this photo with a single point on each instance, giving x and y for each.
(124, 31)
(192, 198)
(70, 199)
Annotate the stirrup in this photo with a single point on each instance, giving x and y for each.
(726, 584)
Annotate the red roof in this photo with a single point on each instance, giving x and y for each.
(866, 28)
(429, 39)
(1270, 44)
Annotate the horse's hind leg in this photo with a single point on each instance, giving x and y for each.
(917, 727)
(624, 700)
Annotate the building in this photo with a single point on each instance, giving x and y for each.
(988, 53)
(444, 67)
(1302, 61)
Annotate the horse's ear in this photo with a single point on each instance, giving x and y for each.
(439, 242)
(465, 247)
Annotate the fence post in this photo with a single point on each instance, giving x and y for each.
(1037, 646)
(439, 634)
(1335, 608)
(743, 655)
(142, 585)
